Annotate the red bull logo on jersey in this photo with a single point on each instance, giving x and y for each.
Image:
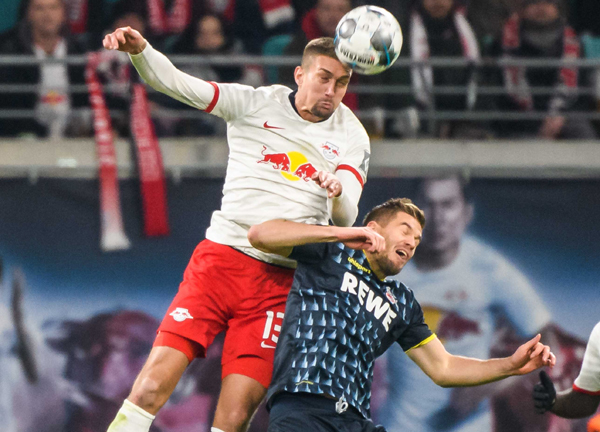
(330, 151)
(293, 165)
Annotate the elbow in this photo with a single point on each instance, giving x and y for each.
(255, 237)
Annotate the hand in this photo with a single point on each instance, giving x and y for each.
(544, 394)
(530, 356)
(125, 39)
(362, 238)
(551, 127)
(328, 181)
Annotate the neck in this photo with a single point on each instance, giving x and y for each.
(304, 111)
(374, 266)
(430, 260)
(47, 42)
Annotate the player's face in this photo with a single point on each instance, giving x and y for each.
(322, 84)
(447, 213)
(402, 235)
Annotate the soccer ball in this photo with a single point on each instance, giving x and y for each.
(368, 39)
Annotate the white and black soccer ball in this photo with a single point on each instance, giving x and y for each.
(368, 39)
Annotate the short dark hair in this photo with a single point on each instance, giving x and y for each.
(321, 46)
(384, 212)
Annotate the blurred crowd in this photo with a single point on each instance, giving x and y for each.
(49, 99)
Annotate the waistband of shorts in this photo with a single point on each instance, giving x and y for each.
(234, 253)
(316, 402)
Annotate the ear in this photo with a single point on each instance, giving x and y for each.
(299, 75)
(374, 226)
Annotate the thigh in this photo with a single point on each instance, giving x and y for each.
(254, 329)
(207, 295)
(239, 398)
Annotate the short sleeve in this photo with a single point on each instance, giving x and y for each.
(588, 380)
(232, 101)
(417, 333)
(356, 160)
(309, 253)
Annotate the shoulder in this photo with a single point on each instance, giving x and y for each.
(355, 131)
(595, 336)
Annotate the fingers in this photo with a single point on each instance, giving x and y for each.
(532, 342)
(537, 350)
(545, 379)
(329, 181)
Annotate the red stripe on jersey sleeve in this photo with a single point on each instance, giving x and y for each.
(215, 98)
(587, 392)
(353, 171)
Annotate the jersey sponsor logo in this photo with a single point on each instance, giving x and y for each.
(268, 126)
(367, 298)
(181, 314)
(330, 151)
(358, 265)
(293, 166)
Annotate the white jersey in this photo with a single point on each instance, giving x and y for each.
(588, 380)
(272, 151)
(459, 304)
(272, 154)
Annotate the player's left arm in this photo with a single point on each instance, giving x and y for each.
(280, 236)
(346, 185)
(448, 370)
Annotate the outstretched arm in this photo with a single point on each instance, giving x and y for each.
(569, 403)
(448, 370)
(280, 236)
(156, 70)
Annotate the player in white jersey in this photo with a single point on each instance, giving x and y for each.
(284, 147)
(584, 398)
(461, 284)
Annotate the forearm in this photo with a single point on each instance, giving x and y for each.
(571, 404)
(277, 235)
(466, 371)
(158, 72)
(344, 209)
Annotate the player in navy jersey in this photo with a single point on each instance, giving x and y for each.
(342, 313)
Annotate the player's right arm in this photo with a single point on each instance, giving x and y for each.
(156, 70)
(280, 236)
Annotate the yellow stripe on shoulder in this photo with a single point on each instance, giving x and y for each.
(423, 342)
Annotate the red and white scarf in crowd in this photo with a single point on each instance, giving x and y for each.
(515, 79)
(422, 74)
(274, 12)
(77, 15)
(113, 235)
(150, 165)
(175, 20)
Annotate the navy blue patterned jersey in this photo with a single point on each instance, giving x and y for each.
(339, 317)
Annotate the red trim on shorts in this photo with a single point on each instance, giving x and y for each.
(353, 171)
(190, 348)
(254, 367)
(215, 98)
(587, 392)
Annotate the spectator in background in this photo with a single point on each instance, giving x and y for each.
(43, 34)
(255, 21)
(209, 35)
(320, 21)
(540, 31)
(438, 28)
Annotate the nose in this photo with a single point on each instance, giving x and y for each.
(330, 89)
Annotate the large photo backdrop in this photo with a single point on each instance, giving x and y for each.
(77, 323)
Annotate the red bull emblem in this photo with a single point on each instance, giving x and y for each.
(390, 296)
(330, 151)
(293, 166)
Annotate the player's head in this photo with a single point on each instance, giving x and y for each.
(322, 80)
(445, 202)
(401, 223)
(437, 9)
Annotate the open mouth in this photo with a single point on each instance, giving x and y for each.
(402, 253)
